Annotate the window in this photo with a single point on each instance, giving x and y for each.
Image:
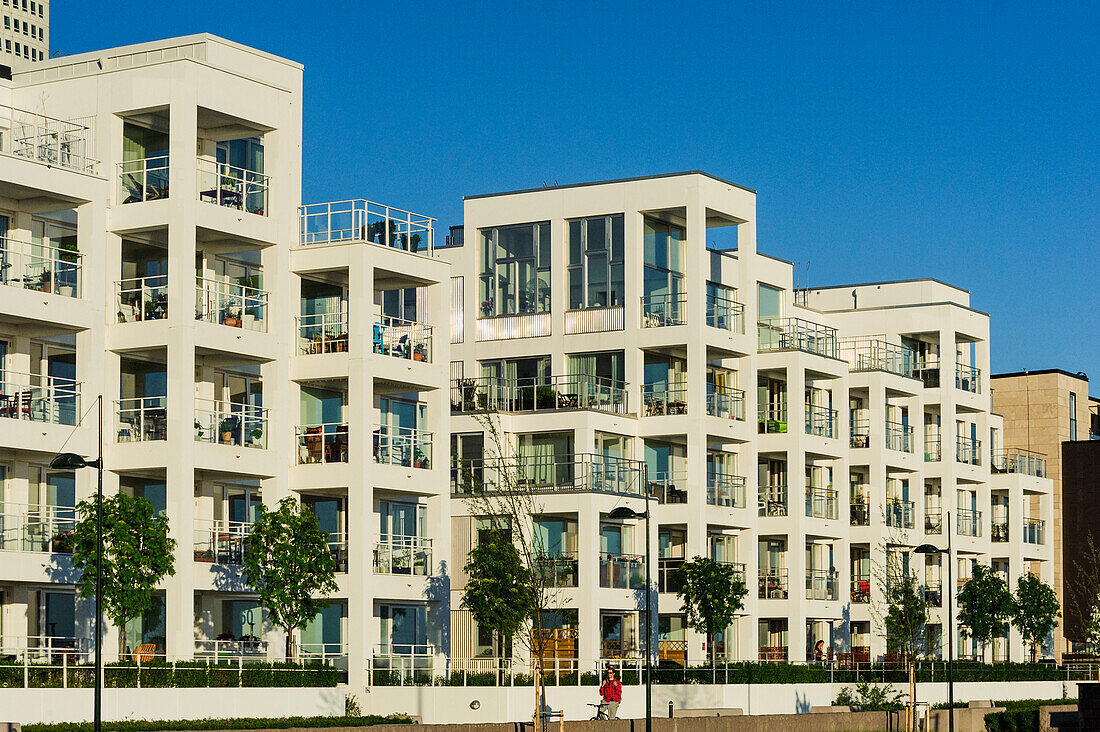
(515, 269)
(7, 22)
(1072, 416)
(768, 301)
(400, 304)
(663, 275)
(7, 45)
(596, 262)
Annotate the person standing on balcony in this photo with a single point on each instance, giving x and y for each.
(611, 693)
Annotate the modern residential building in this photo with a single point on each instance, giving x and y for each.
(615, 354)
(25, 33)
(1043, 410)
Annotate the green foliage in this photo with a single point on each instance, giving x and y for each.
(137, 554)
(870, 697)
(712, 594)
(351, 706)
(288, 563)
(180, 675)
(1020, 715)
(985, 605)
(906, 615)
(1092, 628)
(499, 594)
(216, 724)
(1035, 611)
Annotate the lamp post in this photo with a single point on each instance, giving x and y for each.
(622, 512)
(930, 549)
(72, 461)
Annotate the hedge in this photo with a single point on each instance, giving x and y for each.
(1021, 715)
(216, 724)
(184, 674)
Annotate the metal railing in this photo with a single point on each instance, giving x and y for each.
(40, 267)
(493, 394)
(899, 436)
(928, 371)
(556, 570)
(398, 664)
(933, 451)
(322, 443)
(668, 487)
(726, 314)
(933, 521)
(724, 401)
(37, 528)
(821, 584)
(1015, 460)
(968, 450)
(899, 513)
(859, 514)
(141, 419)
(145, 179)
(54, 142)
(772, 500)
(237, 188)
(772, 583)
(622, 571)
(968, 378)
(42, 651)
(229, 423)
(820, 421)
(1034, 531)
(38, 398)
(998, 525)
(218, 541)
(244, 647)
(402, 338)
(772, 419)
(322, 333)
(659, 399)
(821, 503)
(795, 334)
(581, 473)
(345, 222)
(231, 303)
(860, 591)
(398, 554)
(411, 448)
(141, 298)
(969, 522)
(659, 311)
(859, 433)
(726, 490)
(878, 354)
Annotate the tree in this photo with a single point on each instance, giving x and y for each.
(137, 554)
(1092, 628)
(985, 605)
(499, 592)
(287, 561)
(712, 595)
(905, 621)
(1035, 611)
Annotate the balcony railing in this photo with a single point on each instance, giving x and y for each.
(772, 500)
(37, 398)
(622, 571)
(29, 651)
(860, 514)
(821, 503)
(669, 577)
(143, 180)
(968, 450)
(230, 303)
(322, 333)
(933, 521)
(726, 314)
(659, 311)
(772, 583)
(668, 487)
(493, 394)
(899, 513)
(406, 555)
(820, 584)
(582, 473)
(725, 402)
(899, 436)
(220, 542)
(322, 443)
(859, 434)
(928, 371)
(346, 222)
(141, 419)
(795, 334)
(40, 267)
(1034, 531)
(820, 421)
(726, 490)
(968, 378)
(233, 187)
(877, 354)
(404, 446)
(245, 647)
(1015, 460)
(970, 522)
(402, 338)
(229, 423)
(556, 570)
(998, 527)
(49, 141)
(772, 419)
(861, 588)
(659, 399)
(37, 528)
(141, 298)
(932, 450)
(933, 593)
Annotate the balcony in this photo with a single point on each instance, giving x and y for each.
(360, 221)
(968, 450)
(324, 333)
(932, 450)
(661, 399)
(668, 487)
(404, 663)
(998, 529)
(821, 503)
(820, 584)
(859, 434)
(659, 311)
(37, 528)
(582, 473)
(404, 446)
(899, 514)
(1024, 462)
(861, 589)
(772, 500)
(322, 443)
(876, 354)
(795, 334)
(899, 436)
(669, 578)
(232, 187)
(141, 298)
(772, 583)
(220, 542)
(143, 180)
(248, 649)
(725, 314)
(859, 514)
(622, 571)
(48, 141)
(725, 402)
(933, 594)
(970, 522)
(40, 268)
(231, 303)
(725, 490)
(820, 421)
(37, 398)
(1034, 531)
(141, 419)
(401, 338)
(553, 393)
(403, 555)
(556, 570)
(229, 423)
(933, 521)
(592, 320)
(968, 378)
(772, 419)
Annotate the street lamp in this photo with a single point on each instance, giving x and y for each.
(930, 549)
(72, 461)
(623, 512)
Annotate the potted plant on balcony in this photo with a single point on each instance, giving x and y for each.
(420, 351)
(226, 429)
(199, 430)
(257, 435)
(420, 459)
(487, 307)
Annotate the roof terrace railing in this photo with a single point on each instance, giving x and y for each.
(878, 354)
(358, 220)
(54, 142)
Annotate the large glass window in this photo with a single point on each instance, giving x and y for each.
(769, 301)
(663, 275)
(596, 262)
(1072, 417)
(515, 269)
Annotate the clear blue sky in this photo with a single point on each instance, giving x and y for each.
(886, 142)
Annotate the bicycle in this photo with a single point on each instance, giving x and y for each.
(601, 710)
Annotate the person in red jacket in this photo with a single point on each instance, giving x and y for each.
(611, 693)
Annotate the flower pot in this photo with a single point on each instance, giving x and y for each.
(418, 357)
(227, 437)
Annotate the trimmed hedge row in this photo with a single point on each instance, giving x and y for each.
(184, 674)
(1021, 715)
(215, 724)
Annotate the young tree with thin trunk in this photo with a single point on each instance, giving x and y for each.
(985, 606)
(1035, 611)
(906, 620)
(712, 595)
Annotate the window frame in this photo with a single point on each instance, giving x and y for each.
(580, 266)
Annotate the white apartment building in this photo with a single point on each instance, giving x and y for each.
(25, 31)
(629, 360)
